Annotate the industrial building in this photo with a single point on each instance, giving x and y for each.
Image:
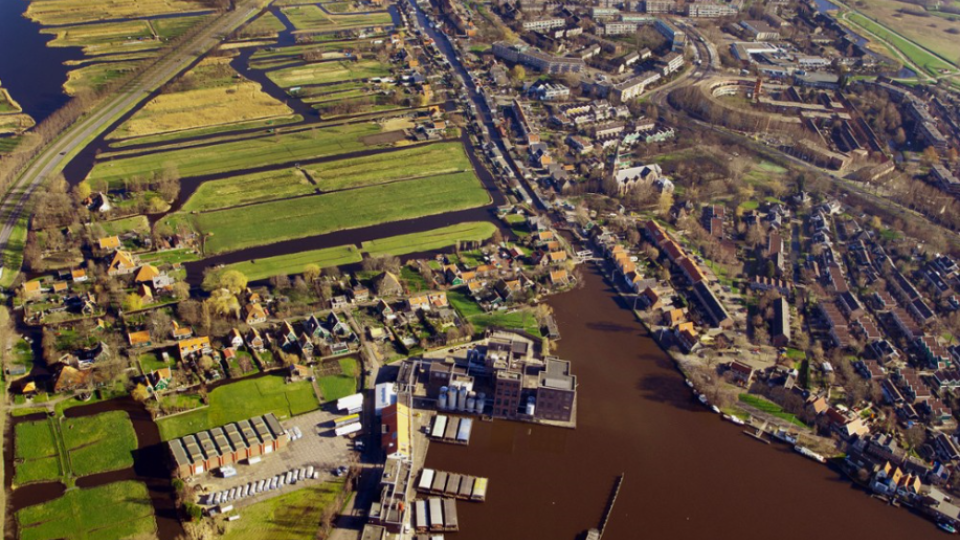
(209, 450)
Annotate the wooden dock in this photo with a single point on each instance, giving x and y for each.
(597, 534)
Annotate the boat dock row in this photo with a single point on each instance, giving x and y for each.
(458, 486)
(436, 515)
(451, 429)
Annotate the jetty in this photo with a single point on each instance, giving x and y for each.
(452, 485)
(597, 534)
(451, 429)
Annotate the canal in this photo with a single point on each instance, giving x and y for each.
(687, 473)
(32, 72)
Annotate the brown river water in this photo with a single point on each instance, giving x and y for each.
(687, 473)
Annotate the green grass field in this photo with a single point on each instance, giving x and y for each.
(312, 18)
(930, 62)
(328, 72)
(136, 224)
(296, 262)
(95, 76)
(429, 240)
(271, 222)
(110, 512)
(105, 38)
(104, 442)
(522, 319)
(36, 445)
(769, 407)
(249, 188)
(241, 400)
(292, 516)
(270, 123)
(334, 387)
(266, 24)
(242, 154)
(417, 161)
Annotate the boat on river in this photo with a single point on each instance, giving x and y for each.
(804, 451)
(734, 419)
(946, 527)
(785, 436)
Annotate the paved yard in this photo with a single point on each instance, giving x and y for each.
(318, 447)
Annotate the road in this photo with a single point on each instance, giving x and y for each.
(57, 154)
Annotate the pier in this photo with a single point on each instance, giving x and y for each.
(456, 486)
(597, 534)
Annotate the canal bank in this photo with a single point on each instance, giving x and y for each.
(692, 475)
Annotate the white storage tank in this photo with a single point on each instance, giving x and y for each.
(452, 399)
(442, 400)
(481, 402)
(471, 402)
(462, 399)
(531, 406)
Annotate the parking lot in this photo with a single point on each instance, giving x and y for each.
(318, 447)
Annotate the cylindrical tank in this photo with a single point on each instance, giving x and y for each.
(462, 399)
(452, 396)
(481, 402)
(531, 405)
(471, 402)
(442, 400)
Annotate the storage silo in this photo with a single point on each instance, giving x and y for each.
(481, 402)
(531, 405)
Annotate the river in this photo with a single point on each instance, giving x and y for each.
(32, 72)
(687, 473)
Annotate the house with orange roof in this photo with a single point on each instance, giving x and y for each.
(673, 317)
(559, 277)
(139, 339)
(418, 302)
(687, 336)
(189, 348)
(146, 274)
(32, 289)
(557, 257)
(255, 314)
(71, 378)
(79, 275)
(651, 299)
(109, 243)
(123, 263)
(60, 287)
(145, 292)
(180, 333)
(438, 299)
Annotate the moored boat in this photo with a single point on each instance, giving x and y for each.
(804, 451)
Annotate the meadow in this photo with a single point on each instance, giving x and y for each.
(109, 512)
(312, 19)
(429, 240)
(234, 229)
(328, 72)
(295, 263)
(291, 516)
(242, 400)
(242, 154)
(249, 189)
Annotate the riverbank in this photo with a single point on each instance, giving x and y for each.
(702, 478)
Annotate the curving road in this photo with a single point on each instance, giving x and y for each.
(57, 154)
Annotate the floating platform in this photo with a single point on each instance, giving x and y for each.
(435, 515)
(452, 485)
(451, 429)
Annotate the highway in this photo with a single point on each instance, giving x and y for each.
(52, 159)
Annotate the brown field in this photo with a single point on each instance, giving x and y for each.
(215, 101)
(930, 31)
(60, 12)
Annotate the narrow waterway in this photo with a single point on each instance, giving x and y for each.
(32, 72)
(149, 467)
(689, 475)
